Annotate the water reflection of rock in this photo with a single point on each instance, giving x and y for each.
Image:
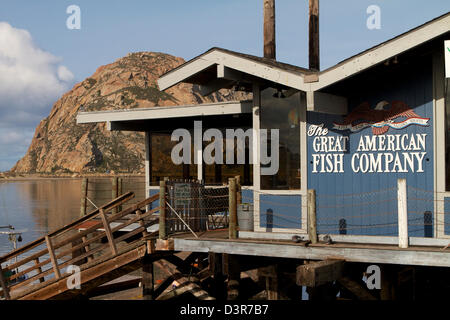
(52, 203)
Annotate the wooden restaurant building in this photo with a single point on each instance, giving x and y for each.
(354, 133)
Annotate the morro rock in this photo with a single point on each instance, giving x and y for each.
(60, 146)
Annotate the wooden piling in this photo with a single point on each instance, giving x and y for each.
(312, 222)
(114, 190)
(162, 210)
(234, 276)
(402, 214)
(314, 53)
(238, 190)
(232, 228)
(148, 283)
(119, 191)
(269, 29)
(84, 191)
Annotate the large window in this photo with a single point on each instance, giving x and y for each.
(219, 173)
(282, 113)
(162, 164)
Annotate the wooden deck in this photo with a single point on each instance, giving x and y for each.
(217, 241)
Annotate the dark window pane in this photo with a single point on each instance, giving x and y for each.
(282, 113)
(219, 173)
(161, 161)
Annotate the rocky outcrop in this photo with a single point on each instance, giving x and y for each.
(60, 146)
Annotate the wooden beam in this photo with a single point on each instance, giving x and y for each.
(309, 78)
(148, 284)
(164, 245)
(162, 286)
(108, 232)
(162, 211)
(381, 240)
(350, 253)
(233, 227)
(356, 288)
(181, 281)
(271, 275)
(318, 273)
(51, 253)
(269, 29)
(314, 54)
(234, 276)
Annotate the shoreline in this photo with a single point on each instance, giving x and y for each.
(34, 177)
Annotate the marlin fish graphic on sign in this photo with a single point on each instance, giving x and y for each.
(380, 118)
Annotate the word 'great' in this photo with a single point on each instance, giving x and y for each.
(376, 153)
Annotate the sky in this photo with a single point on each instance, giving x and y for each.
(41, 58)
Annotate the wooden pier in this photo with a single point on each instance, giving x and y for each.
(222, 263)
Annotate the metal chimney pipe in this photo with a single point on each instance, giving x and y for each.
(269, 29)
(314, 54)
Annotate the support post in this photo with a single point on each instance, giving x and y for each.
(51, 253)
(402, 214)
(4, 285)
(232, 228)
(114, 183)
(87, 248)
(84, 191)
(314, 54)
(234, 276)
(39, 270)
(312, 223)
(216, 267)
(119, 191)
(238, 190)
(148, 283)
(162, 209)
(269, 29)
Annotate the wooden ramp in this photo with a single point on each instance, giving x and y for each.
(102, 246)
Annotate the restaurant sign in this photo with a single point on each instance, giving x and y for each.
(376, 152)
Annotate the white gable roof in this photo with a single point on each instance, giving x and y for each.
(300, 78)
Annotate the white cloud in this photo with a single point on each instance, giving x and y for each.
(31, 80)
(64, 74)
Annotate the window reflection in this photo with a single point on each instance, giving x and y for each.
(219, 173)
(162, 164)
(282, 113)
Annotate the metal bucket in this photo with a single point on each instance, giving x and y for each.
(245, 216)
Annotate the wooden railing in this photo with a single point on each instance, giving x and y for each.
(43, 260)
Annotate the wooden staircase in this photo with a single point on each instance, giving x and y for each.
(103, 244)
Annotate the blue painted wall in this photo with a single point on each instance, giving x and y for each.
(280, 211)
(447, 215)
(368, 201)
